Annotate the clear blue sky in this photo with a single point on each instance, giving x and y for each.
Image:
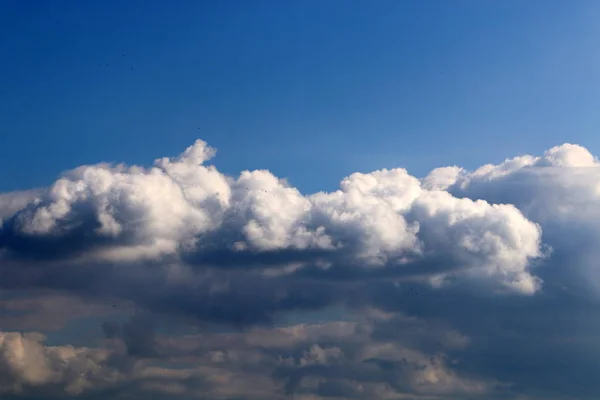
(312, 90)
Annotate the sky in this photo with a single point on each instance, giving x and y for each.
(269, 200)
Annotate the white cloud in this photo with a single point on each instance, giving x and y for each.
(559, 191)
(385, 219)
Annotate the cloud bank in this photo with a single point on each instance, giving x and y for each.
(456, 283)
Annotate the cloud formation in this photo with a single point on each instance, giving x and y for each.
(27, 367)
(423, 264)
(383, 222)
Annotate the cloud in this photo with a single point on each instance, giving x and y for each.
(342, 358)
(27, 366)
(336, 358)
(36, 311)
(559, 191)
(180, 209)
(13, 202)
(460, 280)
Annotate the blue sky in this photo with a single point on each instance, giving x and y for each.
(310, 90)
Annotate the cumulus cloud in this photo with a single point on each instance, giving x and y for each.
(448, 273)
(28, 366)
(182, 209)
(13, 202)
(559, 191)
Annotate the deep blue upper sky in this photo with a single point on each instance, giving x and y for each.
(312, 90)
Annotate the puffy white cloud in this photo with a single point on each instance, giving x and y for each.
(559, 191)
(494, 241)
(386, 219)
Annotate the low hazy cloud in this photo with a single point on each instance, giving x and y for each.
(463, 284)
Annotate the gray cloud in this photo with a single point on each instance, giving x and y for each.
(44, 311)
